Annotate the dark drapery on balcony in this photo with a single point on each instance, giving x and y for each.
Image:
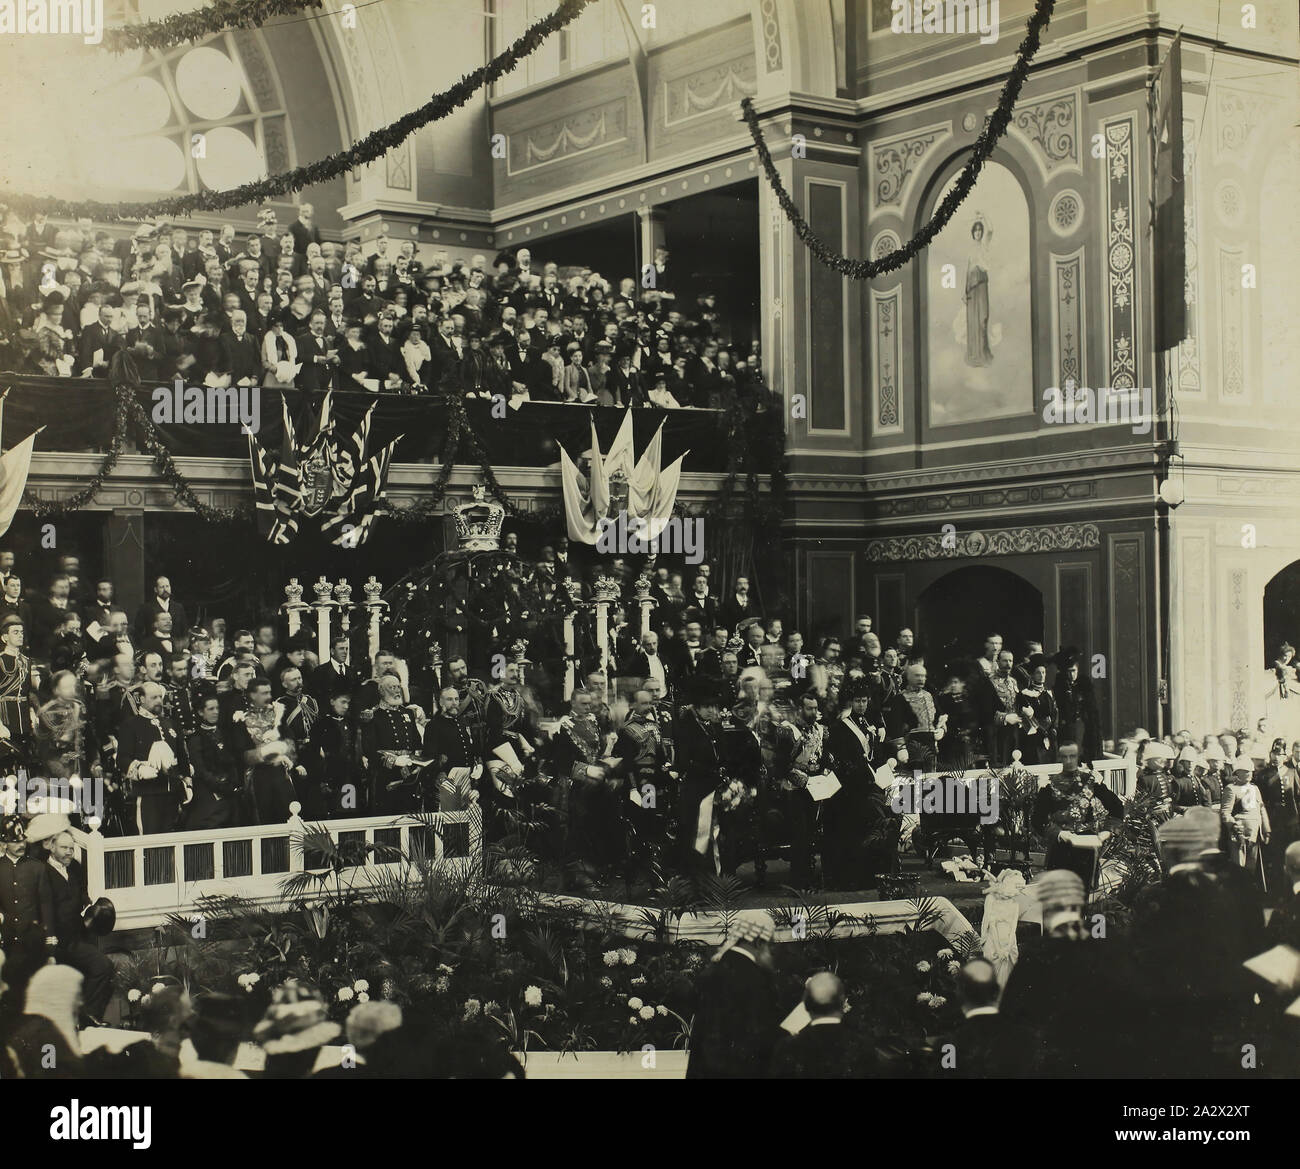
(79, 415)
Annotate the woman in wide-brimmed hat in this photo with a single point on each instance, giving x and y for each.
(293, 1030)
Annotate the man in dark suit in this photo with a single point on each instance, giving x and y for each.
(738, 606)
(63, 904)
(304, 229)
(448, 352)
(825, 1049)
(148, 342)
(98, 338)
(646, 662)
(160, 602)
(386, 364)
(985, 1046)
(737, 1015)
(327, 678)
(241, 356)
(314, 354)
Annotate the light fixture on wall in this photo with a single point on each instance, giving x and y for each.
(1173, 488)
(1172, 492)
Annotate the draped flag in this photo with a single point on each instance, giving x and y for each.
(1169, 242)
(617, 482)
(317, 475)
(13, 478)
(351, 525)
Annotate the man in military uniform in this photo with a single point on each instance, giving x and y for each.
(639, 748)
(331, 760)
(699, 764)
(912, 720)
(595, 813)
(510, 740)
(21, 937)
(16, 720)
(455, 762)
(151, 757)
(178, 703)
(391, 740)
(997, 698)
(802, 754)
(299, 710)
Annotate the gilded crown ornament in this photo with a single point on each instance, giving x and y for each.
(478, 523)
(293, 593)
(343, 593)
(373, 591)
(605, 589)
(322, 588)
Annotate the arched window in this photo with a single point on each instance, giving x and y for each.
(144, 123)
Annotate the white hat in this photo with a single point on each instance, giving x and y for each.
(1189, 754)
(46, 825)
(1157, 750)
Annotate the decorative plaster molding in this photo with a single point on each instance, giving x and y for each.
(886, 320)
(895, 161)
(1003, 542)
(1121, 255)
(1068, 319)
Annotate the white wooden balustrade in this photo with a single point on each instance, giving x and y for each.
(149, 877)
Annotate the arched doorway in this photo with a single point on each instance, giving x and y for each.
(1281, 612)
(957, 611)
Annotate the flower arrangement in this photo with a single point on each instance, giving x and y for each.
(732, 794)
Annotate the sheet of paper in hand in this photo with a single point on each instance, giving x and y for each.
(1280, 966)
(822, 787)
(796, 1020)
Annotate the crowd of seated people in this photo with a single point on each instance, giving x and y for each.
(280, 307)
(200, 726)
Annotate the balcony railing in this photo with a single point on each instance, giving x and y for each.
(150, 877)
(79, 414)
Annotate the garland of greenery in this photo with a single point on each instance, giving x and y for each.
(57, 509)
(983, 148)
(370, 149)
(196, 26)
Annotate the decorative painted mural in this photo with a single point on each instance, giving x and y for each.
(979, 336)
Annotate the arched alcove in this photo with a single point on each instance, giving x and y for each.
(1281, 612)
(956, 612)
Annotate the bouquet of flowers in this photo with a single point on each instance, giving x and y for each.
(731, 795)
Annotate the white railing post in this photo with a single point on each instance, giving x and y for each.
(297, 856)
(93, 842)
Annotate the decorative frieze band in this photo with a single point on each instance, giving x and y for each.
(1003, 542)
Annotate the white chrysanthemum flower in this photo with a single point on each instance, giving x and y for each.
(254, 979)
(491, 1007)
(944, 954)
(145, 1000)
(924, 997)
(610, 957)
(954, 967)
(346, 994)
(632, 1019)
(628, 956)
(634, 1004)
(472, 1008)
(533, 996)
(647, 1012)
(661, 1009)
(639, 980)
(606, 981)
(936, 1001)
(363, 997)
(443, 985)
(133, 996)
(361, 984)
(923, 967)
(158, 988)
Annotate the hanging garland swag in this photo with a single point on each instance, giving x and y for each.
(197, 26)
(461, 447)
(370, 149)
(988, 139)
